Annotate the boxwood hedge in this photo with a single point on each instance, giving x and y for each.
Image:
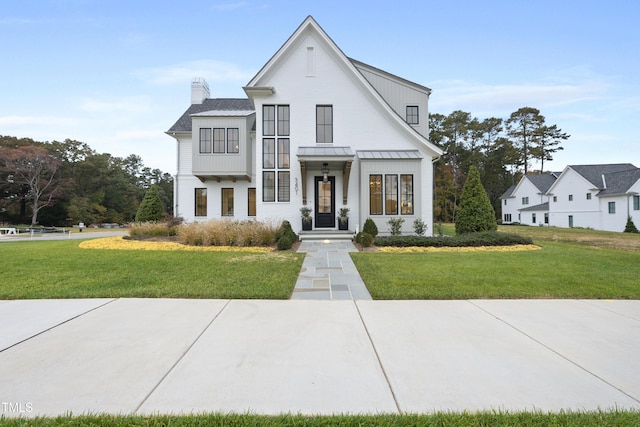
(484, 238)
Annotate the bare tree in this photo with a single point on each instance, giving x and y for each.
(36, 170)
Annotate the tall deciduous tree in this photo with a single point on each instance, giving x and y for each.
(35, 169)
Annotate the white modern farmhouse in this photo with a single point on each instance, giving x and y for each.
(601, 197)
(318, 129)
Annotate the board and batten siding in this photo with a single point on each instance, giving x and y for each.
(222, 163)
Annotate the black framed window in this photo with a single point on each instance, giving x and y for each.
(268, 186)
(375, 194)
(268, 120)
(218, 140)
(227, 202)
(283, 186)
(205, 140)
(283, 153)
(636, 203)
(283, 120)
(324, 124)
(391, 194)
(251, 202)
(412, 115)
(268, 153)
(201, 202)
(233, 140)
(406, 194)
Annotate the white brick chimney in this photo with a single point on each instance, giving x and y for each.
(199, 90)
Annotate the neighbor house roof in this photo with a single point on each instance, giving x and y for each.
(594, 173)
(219, 105)
(536, 208)
(620, 182)
(508, 193)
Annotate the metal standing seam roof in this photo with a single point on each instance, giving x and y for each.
(390, 155)
(324, 152)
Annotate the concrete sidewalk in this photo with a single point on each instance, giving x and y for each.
(148, 356)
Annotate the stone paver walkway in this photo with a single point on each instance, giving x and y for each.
(328, 273)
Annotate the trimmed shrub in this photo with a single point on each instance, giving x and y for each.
(370, 227)
(284, 242)
(395, 226)
(150, 208)
(365, 239)
(286, 230)
(486, 238)
(475, 212)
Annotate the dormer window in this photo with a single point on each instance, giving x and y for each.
(412, 115)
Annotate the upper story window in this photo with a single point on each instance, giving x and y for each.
(525, 200)
(571, 197)
(219, 140)
(268, 120)
(276, 153)
(283, 120)
(205, 140)
(412, 115)
(588, 196)
(636, 203)
(324, 124)
(612, 207)
(555, 198)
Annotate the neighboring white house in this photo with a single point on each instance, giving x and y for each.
(527, 202)
(595, 196)
(601, 197)
(317, 129)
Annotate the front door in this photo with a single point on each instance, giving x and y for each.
(325, 202)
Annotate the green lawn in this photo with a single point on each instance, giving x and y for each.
(503, 419)
(59, 269)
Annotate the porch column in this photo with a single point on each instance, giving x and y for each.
(303, 181)
(345, 180)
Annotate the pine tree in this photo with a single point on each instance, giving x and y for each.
(630, 227)
(151, 207)
(475, 212)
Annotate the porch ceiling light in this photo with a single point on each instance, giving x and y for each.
(325, 172)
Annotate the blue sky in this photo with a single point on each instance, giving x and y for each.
(116, 74)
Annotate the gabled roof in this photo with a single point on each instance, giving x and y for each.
(238, 105)
(620, 182)
(310, 24)
(593, 173)
(509, 193)
(542, 181)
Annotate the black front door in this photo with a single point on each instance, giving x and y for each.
(325, 202)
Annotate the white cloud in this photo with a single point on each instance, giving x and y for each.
(211, 70)
(501, 100)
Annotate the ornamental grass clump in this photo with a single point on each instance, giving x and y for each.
(224, 232)
(140, 230)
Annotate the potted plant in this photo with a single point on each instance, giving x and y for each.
(305, 213)
(343, 219)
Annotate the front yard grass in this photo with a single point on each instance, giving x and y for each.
(59, 269)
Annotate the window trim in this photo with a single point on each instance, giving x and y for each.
(636, 203)
(252, 202)
(268, 125)
(612, 207)
(230, 149)
(412, 116)
(410, 202)
(223, 211)
(327, 128)
(283, 186)
(271, 153)
(272, 188)
(200, 201)
(379, 199)
(390, 193)
(208, 143)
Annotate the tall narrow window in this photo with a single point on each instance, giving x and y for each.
(227, 202)
(546, 217)
(406, 194)
(268, 153)
(205, 140)
(283, 186)
(324, 124)
(570, 221)
(283, 153)
(533, 218)
(218, 140)
(375, 194)
(391, 194)
(268, 120)
(233, 140)
(571, 197)
(268, 186)
(201, 201)
(251, 202)
(412, 115)
(283, 120)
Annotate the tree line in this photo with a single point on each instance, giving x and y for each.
(502, 150)
(65, 183)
